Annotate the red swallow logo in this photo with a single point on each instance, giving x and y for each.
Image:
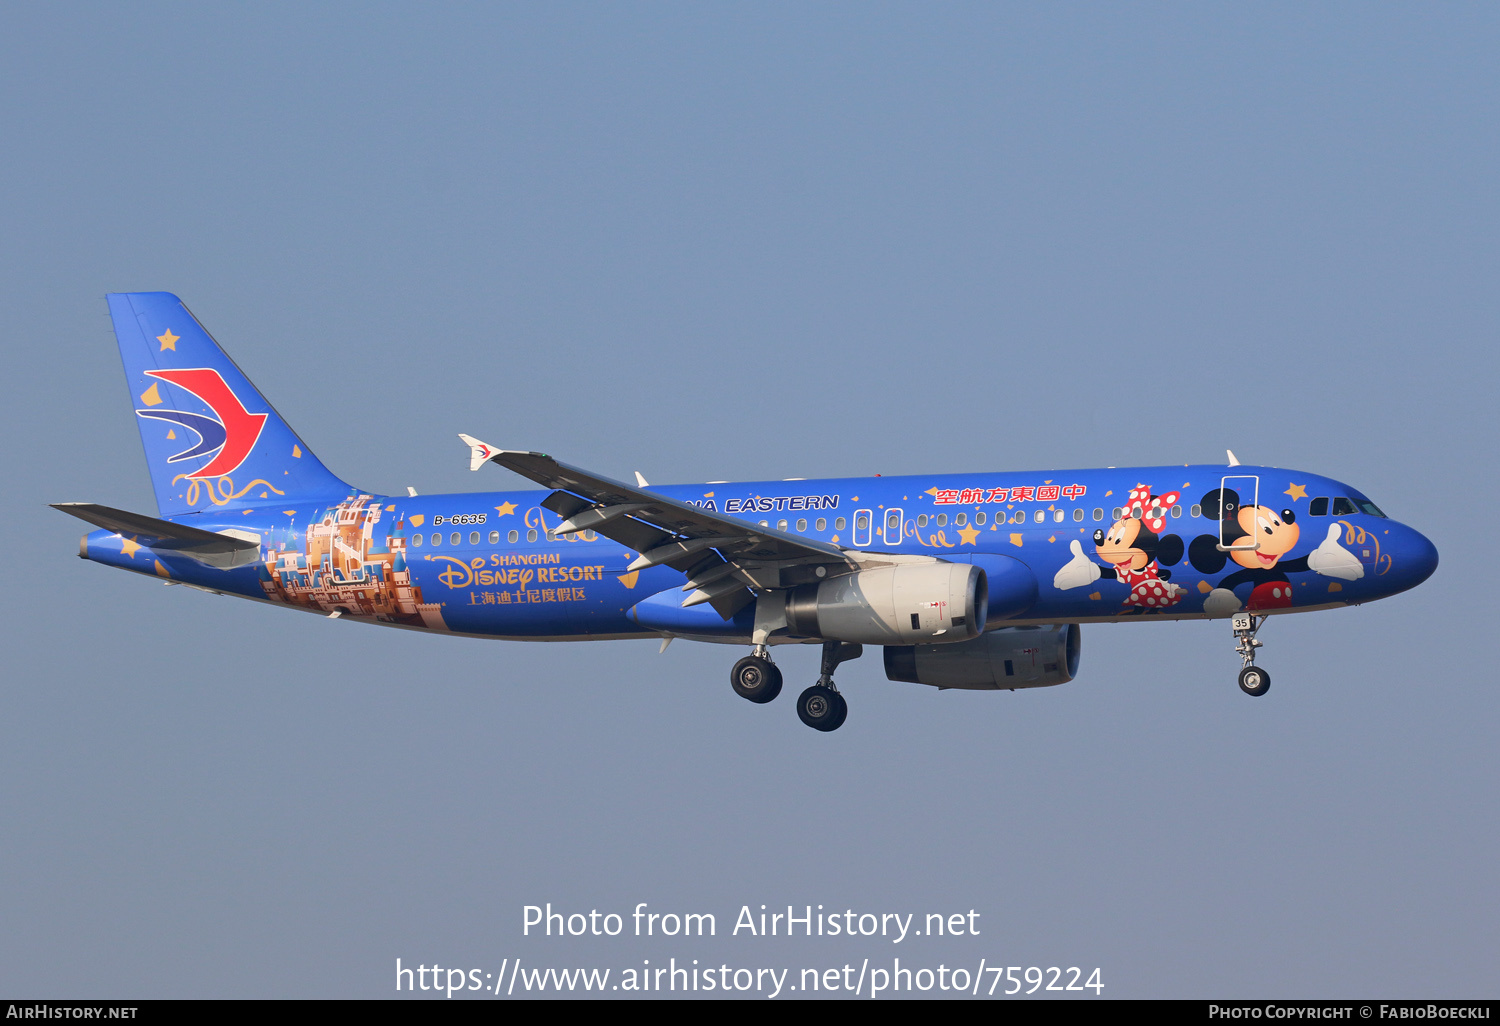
(241, 428)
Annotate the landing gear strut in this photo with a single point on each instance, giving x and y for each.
(1253, 680)
(755, 677)
(821, 706)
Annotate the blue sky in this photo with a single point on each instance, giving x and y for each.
(736, 242)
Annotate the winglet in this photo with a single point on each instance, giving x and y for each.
(479, 452)
(641, 481)
(1232, 461)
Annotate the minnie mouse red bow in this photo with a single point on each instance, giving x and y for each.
(1151, 510)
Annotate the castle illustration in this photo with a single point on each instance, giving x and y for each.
(347, 561)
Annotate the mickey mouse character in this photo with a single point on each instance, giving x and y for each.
(1260, 538)
(1133, 550)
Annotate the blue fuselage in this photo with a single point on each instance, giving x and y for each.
(1161, 541)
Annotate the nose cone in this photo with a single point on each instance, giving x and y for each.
(1415, 561)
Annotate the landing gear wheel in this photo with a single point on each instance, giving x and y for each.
(756, 678)
(822, 708)
(1254, 681)
(843, 711)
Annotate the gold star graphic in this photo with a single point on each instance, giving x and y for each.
(168, 341)
(1296, 491)
(506, 510)
(970, 535)
(152, 395)
(129, 546)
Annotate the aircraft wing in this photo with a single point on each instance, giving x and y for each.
(724, 557)
(219, 550)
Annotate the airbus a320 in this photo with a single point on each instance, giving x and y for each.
(976, 581)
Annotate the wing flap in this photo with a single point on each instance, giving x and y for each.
(726, 559)
(676, 519)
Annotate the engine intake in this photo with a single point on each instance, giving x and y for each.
(938, 603)
(1010, 657)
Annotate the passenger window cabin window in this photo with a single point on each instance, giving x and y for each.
(416, 541)
(1114, 514)
(1343, 507)
(893, 523)
(437, 539)
(922, 520)
(473, 537)
(801, 525)
(1057, 516)
(455, 538)
(838, 525)
(861, 523)
(1177, 511)
(781, 525)
(513, 537)
(1196, 511)
(942, 520)
(980, 518)
(531, 535)
(1041, 515)
(765, 523)
(1318, 507)
(1077, 514)
(821, 525)
(1019, 517)
(960, 519)
(494, 537)
(1098, 513)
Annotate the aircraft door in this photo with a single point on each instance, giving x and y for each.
(1247, 487)
(863, 523)
(895, 521)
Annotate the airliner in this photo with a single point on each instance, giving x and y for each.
(978, 581)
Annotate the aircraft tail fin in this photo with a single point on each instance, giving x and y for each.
(211, 439)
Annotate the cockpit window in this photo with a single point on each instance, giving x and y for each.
(1318, 507)
(1343, 507)
(1370, 508)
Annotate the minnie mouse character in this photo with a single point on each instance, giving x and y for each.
(1133, 550)
(1257, 538)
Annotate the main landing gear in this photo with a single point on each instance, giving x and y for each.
(821, 706)
(755, 677)
(1253, 680)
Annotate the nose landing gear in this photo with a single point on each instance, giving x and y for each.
(1253, 680)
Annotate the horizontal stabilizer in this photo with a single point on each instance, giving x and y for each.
(223, 551)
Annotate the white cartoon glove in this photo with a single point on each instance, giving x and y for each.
(1220, 602)
(1333, 560)
(1076, 572)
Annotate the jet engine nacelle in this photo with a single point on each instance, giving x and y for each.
(938, 603)
(1010, 657)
